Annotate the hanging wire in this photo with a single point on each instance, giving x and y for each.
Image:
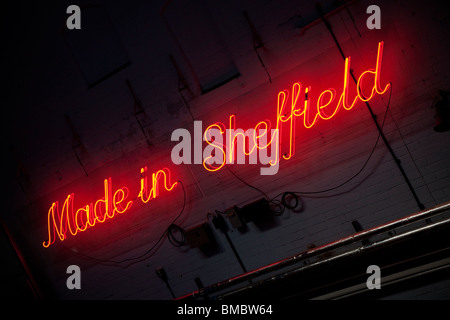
(167, 232)
(410, 155)
(362, 167)
(247, 184)
(171, 235)
(287, 196)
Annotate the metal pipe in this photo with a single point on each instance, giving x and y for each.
(356, 251)
(316, 251)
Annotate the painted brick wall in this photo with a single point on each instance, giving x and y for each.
(47, 85)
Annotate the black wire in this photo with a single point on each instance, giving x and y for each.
(279, 204)
(162, 235)
(172, 239)
(141, 256)
(283, 204)
(286, 204)
(293, 194)
(247, 184)
(359, 171)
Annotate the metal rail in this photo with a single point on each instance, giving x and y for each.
(423, 215)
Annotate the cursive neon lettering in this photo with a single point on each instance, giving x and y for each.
(61, 224)
(290, 107)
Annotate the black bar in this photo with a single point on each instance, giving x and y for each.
(235, 252)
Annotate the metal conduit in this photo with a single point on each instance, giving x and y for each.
(350, 253)
(423, 215)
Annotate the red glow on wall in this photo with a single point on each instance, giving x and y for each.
(61, 223)
(147, 194)
(291, 106)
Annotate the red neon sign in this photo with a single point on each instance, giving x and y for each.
(68, 221)
(289, 111)
(289, 107)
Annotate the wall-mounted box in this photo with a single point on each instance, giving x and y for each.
(199, 235)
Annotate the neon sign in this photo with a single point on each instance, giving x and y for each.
(68, 221)
(290, 107)
(61, 223)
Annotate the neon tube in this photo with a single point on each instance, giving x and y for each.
(61, 224)
(287, 114)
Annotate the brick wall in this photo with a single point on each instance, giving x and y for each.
(46, 165)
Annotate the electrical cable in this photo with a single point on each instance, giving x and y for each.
(388, 146)
(359, 171)
(247, 184)
(172, 239)
(284, 202)
(143, 255)
(411, 156)
(162, 235)
(281, 205)
(294, 194)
